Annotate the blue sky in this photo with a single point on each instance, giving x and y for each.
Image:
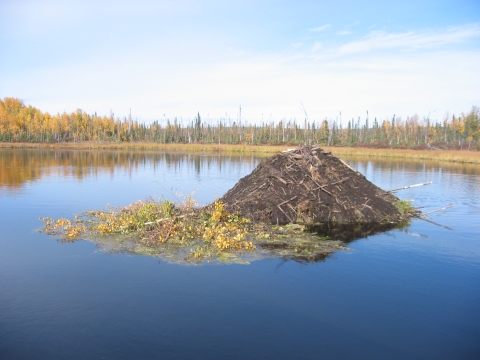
(166, 59)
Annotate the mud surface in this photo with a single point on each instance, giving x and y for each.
(310, 186)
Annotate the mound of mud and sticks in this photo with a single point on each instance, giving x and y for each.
(314, 187)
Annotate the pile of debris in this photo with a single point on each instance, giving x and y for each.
(311, 186)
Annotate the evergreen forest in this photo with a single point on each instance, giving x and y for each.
(24, 123)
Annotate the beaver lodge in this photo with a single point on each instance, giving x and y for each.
(311, 186)
(301, 204)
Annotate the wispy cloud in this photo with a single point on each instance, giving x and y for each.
(411, 40)
(202, 68)
(321, 28)
(316, 46)
(346, 30)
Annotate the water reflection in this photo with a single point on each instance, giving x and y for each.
(18, 167)
(452, 184)
(411, 165)
(412, 293)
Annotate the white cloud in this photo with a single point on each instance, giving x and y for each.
(321, 28)
(185, 73)
(384, 84)
(380, 40)
(316, 46)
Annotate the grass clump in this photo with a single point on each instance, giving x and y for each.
(405, 208)
(197, 233)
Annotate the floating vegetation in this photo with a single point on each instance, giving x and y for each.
(187, 233)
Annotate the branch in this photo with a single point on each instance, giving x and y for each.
(433, 211)
(408, 187)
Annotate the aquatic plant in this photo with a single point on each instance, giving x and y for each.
(187, 233)
(204, 232)
(405, 208)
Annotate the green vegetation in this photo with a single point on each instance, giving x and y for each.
(21, 123)
(203, 232)
(185, 233)
(405, 207)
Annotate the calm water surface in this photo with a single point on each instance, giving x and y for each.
(412, 293)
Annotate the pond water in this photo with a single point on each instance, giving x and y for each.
(411, 293)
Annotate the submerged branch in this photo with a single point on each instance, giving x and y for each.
(434, 211)
(434, 223)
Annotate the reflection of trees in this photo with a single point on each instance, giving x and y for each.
(19, 166)
(23, 165)
(411, 165)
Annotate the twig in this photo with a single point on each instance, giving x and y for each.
(434, 223)
(408, 187)
(279, 179)
(344, 163)
(334, 183)
(363, 207)
(288, 217)
(168, 234)
(273, 188)
(291, 207)
(163, 219)
(287, 201)
(254, 191)
(156, 221)
(433, 211)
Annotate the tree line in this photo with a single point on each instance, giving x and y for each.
(22, 123)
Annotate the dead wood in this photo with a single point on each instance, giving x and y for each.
(434, 211)
(309, 185)
(410, 186)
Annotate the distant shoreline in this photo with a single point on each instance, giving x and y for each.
(458, 156)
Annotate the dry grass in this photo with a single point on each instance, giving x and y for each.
(218, 148)
(459, 156)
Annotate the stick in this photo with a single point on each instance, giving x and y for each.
(156, 221)
(163, 219)
(433, 211)
(288, 217)
(434, 223)
(344, 163)
(286, 201)
(334, 183)
(254, 191)
(168, 234)
(408, 187)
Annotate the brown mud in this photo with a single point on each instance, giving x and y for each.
(311, 186)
